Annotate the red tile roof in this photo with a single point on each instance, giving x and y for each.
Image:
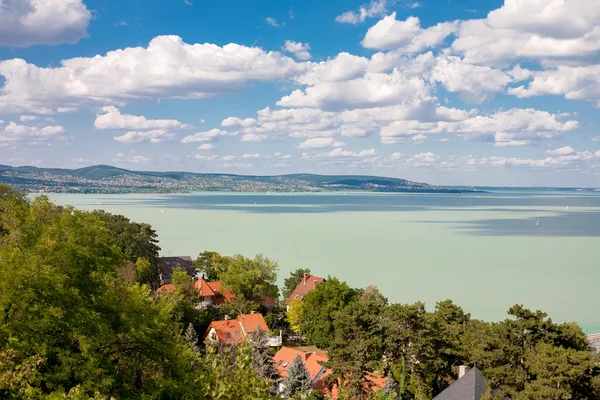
(228, 332)
(251, 322)
(307, 284)
(314, 365)
(168, 288)
(377, 382)
(284, 357)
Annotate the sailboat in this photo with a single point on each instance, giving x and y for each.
(537, 223)
(567, 208)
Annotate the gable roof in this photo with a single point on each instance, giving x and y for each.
(307, 284)
(284, 357)
(219, 289)
(166, 265)
(228, 332)
(251, 322)
(168, 288)
(471, 386)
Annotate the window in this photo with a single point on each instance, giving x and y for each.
(285, 364)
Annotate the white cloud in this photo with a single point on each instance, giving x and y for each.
(596, 139)
(167, 68)
(514, 143)
(319, 143)
(14, 132)
(113, 119)
(255, 155)
(254, 137)
(371, 90)
(122, 158)
(406, 36)
(298, 49)
(67, 109)
(475, 84)
(27, 118)
(153, 136)
(547, 30)
(339, 153)
(272, 22)
(504, 126)
(235, 121)
(575, 83)
(206, 146)
(206, 136)
(27, 22)
(563, 151)
(375, 8)
(343, 67)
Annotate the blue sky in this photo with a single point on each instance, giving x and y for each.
(442, 91)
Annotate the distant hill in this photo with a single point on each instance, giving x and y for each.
(109, 179)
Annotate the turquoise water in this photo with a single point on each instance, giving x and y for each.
(486, 252)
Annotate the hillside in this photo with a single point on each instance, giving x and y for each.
(109, 179)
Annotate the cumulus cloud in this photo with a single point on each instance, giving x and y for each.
(134, 159)
(153, 136)
(113, 119)
(547, 30)
(255, 155)
(406, 36)
(235, 121)
(319, 143)
(563, 151)
(298, 49)
(206, 146)
(272, 22)
(375, 8)
(167, 68)
(27, 118)
(14, 132)
(27, 22)
(339, 153)
(574, 83)
(504, 126)
(205, 136)
(371, 90)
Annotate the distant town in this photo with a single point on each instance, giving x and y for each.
(107, 179)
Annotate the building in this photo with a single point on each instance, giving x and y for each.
(594, 342)
(230, 332)
(166, 265)
(308, 283)
(214, 294)
(312, 361)
(470, 385)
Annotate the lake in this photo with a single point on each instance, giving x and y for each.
(485, 251)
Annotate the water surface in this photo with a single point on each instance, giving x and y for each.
(486, 251)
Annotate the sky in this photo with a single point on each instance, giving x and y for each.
(453, 92)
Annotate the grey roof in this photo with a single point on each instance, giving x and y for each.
(167, 264)
(471, 386)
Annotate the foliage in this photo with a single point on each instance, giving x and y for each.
(290, 283)
(359, 323)
(212, 265)
(320, 306)
(294, 314)
(136, 240)
(297, 379)
(262, 361)
(250, 279)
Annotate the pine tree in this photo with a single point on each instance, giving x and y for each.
(389, 388)
(262, 362)
(297, 379)
(191, 338)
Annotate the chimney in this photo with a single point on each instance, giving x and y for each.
(314, 284)
(305, 278)
(462, 369)
(227, 318)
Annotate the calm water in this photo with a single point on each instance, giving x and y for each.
(485, 252)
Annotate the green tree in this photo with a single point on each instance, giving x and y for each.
(297, 379)
(250, 279)
(135, 240)
(262, 361)
(320, 307)
(212, 265)
(290, 283)
(361, 325)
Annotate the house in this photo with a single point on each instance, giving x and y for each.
(214, 294)
(308, 283)
(594, 342)
(376, 383)
(231, 332)
(166, 265)
(471, 385)
(312, 361)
